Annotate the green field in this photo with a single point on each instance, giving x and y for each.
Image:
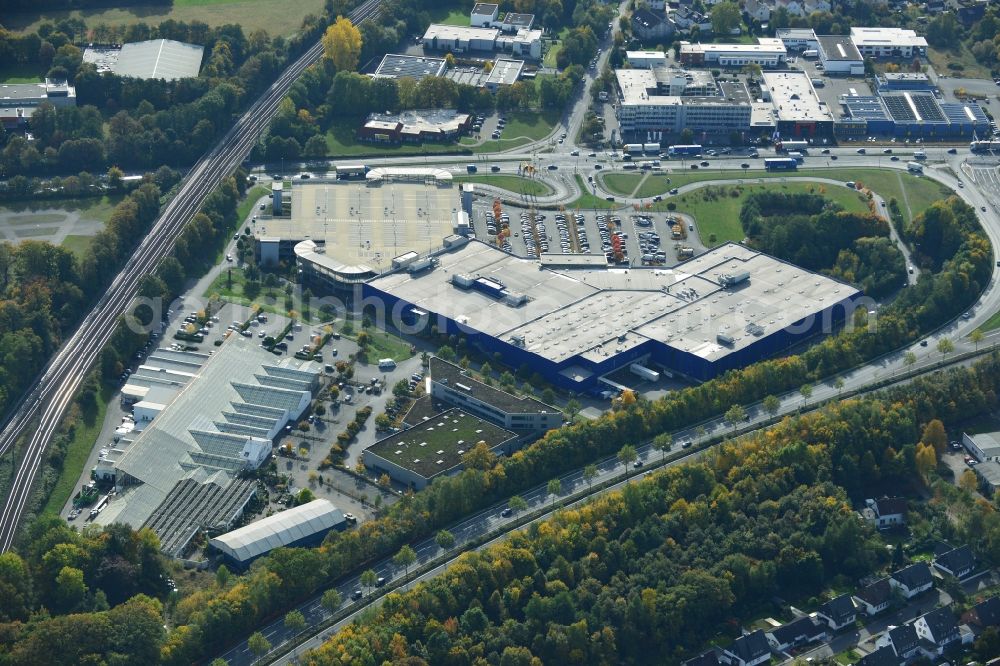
(991, 324)
(385, 345)
(913, 193)
(274, 17)
(78, 245)
(588, 200)
(84, 437)
(534, 125)
(961, 57)
(515, 184)
(549, 59)
(716, 211)
(448, 16)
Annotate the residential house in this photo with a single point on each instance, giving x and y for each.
(649, 25)
(747, 650)
(984, 614)
(802, 7)
(758, 10)
(902, 640)
(710, 658)
(874, 598)
(798, 632)
(957, 562)
(938, 629)
(912, 580)
(838, 612)
(684, 19)
(883, 656)
(885, 512)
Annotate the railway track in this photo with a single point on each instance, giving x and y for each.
(52, 393)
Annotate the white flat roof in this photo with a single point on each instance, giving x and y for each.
(441, 31)
(159, 59)
(763, 45)
(794, 98)
(887, 37)
(505, 71)
(597, 313)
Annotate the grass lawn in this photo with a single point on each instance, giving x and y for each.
(532, 124)
(451, 17)
(84, 437)
(269, 300)
(623, 184)
(913, 193)
(991, 324)
(15, 73)
(513, 183)
(717, 212)
(588, 200)
(386, 345)
(78, 245)
(254, 193)
(847, 657)
(960, 56)
(549, 60)
(274, 17)
(342, 142)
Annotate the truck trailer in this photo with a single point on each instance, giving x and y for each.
(640, 370)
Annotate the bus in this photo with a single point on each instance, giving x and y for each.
(693, 150)
(780, 164)
(351, 171)
(787, 146)
(984, 146)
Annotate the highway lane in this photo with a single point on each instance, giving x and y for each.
(51, 395)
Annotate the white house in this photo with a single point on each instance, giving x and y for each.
(938, 629)
(838, 612)
(912, 580)
(874, 598)
(885, 512)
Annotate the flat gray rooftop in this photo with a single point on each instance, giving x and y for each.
(243, 391)
(159, 59)
(601, 312)
(838, 47)
(366, 224)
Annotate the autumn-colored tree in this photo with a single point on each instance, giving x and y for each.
(935, 435)
(479, 457)
(926, 459)
(342, 45)
(968, 481)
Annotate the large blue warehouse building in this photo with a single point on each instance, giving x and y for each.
(722, 310)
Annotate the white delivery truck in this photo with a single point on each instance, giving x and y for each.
(915, 167)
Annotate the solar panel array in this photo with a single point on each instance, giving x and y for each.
(865, 108)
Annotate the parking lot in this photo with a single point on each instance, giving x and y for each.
(626, 237)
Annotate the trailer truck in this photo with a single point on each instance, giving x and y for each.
(692, 150)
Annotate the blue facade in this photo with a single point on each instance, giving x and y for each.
(677, 360)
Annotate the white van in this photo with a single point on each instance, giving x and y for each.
(386, 364)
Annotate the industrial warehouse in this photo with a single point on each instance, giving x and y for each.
(722, 310)
(178, 472)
